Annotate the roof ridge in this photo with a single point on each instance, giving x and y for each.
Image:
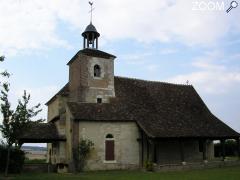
(152, 81)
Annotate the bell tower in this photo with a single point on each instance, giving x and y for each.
(91, 71)
(90, 37)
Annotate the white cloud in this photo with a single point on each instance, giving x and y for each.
(38, 95)
(211, 76)
(217, 82)
(27, 25)
(136, 58)
(168, 51)
(235, 56)
(33, 24)
(152, 68)
(163, 21)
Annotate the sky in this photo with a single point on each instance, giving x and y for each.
(169, 40)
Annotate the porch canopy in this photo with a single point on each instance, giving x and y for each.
(41, 133)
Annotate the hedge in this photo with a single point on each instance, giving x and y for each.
(16, 162)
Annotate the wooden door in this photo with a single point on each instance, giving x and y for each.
(109, 150)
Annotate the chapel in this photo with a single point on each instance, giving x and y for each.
(130, 121)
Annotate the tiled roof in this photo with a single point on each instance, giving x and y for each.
(41, 132)
(93, 53)
(162, 110)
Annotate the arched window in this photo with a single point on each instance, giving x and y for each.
(109, 148)
(109, 136)
(97, 71)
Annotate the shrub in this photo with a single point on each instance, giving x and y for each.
(81, 153)
(17, 157)
(148, 165)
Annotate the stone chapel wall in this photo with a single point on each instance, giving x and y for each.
(125, 139)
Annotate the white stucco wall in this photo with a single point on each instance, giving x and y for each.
(126, 144)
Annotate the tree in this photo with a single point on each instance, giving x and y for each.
(14, 121)
(2, 58)
(22, 117)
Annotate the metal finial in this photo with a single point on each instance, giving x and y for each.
(91, 4)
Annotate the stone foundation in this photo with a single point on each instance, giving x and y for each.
(199, 165)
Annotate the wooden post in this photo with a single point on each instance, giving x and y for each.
(182, 151)
(238, 148)
(147, 149)
(223, 149)
(141, 148)
(153, 152)
(204, 150)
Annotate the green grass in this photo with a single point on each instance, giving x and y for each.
(232, 173)
(34, 161)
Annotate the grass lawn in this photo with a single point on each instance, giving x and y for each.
(231, 173)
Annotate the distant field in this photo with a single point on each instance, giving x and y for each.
(232, 173)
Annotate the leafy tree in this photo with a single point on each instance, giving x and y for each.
(22, 117)
(14, 121)
(2, 58)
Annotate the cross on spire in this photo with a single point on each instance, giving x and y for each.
(91, 4)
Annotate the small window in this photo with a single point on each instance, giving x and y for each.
(99, 100)
(109, 136)
(97, 71)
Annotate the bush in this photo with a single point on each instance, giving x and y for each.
(16, 162)
(81, 153)
(148, 165)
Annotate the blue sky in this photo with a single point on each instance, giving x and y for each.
(172, 41)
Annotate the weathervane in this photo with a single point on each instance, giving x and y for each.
(91, 4)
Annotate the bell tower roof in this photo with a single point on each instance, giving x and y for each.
(89, 30)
